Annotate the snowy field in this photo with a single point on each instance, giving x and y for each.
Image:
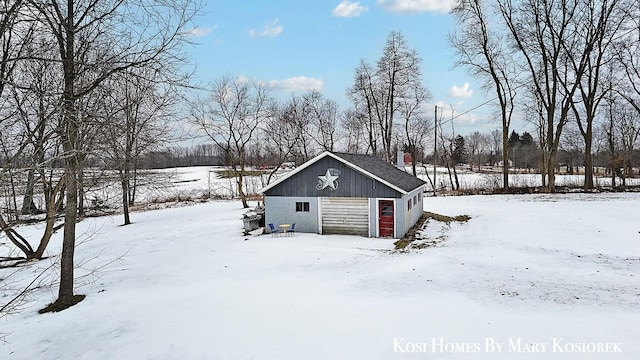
(554, 273)
(154, 187)
(490, 181)
(204, 181)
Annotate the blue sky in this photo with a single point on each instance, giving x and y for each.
(298, 45)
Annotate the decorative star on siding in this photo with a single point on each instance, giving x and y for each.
(327, 180)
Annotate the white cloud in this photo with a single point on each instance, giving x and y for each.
(447, 111)
(298, 83)
(270, 29)
(199, 32)
(349, 9)
(408, 6)
(460, 92)
(468, 118)
(242, 79)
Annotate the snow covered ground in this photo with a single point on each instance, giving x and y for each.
(554, 273)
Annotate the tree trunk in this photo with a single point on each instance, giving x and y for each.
(413, 166)
(241, 193)
(588, 160)
(15, 238)
(505, 160)
(50, 221)
(125, 174)
(80, 182)
(133, 185)
(551, 172)
(69, 144)
(125, 197)
(613, 175)
(28, 206)
(13, 198)
(623, 171)
(450, 177)
(543, 170)
(65, 293)
(455, 176)
(61, 195)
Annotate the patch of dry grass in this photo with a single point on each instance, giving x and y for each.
(445, 218)
(410, 237)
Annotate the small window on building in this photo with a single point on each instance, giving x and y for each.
(420, 197)
(409, 205)
(302, 206)
(387, 209)
(415, 200)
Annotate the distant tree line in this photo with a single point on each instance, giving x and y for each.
(480, 151)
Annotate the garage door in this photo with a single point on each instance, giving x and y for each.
(342, 215)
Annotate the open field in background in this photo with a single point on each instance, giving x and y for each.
(104, 192)
(197, 182)
(492, 181)
(204, 181)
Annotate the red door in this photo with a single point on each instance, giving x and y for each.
(385, 218)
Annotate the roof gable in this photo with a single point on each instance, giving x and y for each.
(367, 165)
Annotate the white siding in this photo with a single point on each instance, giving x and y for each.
(282, 210)
(408, 218)
(343, 215)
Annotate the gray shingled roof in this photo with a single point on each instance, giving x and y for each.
(383, 170)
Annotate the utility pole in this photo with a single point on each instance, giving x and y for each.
(435, 147)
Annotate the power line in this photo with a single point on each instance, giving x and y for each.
(468, 111)
(479, 106)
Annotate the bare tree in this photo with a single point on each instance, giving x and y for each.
(613, 144)
(281, 136)
(600, 23)
(416, 125)
(34, 113)
(483, 51)
(571, 148)
(16, 31)
(627, 60)
(354, 127)
(534, 114)
(495, 146)
(323, 116)
(364, 104)
(231, 117)
(449, 143)
(629, 89)
(294, 116)
(376, 92)
(137, 109)
(15, 34)
(627, 129)
(477, 144)
(546, 34)
(97, 39)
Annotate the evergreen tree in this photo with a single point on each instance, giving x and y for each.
(459, 150)
(514, 139)
(526, 139)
